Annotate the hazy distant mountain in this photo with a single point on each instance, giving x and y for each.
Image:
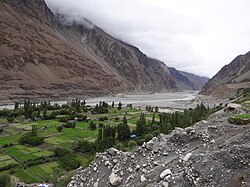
(45, 55)
(186, 80)
(230, 78)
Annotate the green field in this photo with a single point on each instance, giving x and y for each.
(24, 153)
(17, 156)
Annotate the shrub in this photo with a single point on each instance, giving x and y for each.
(103, 118)
(85, 147)
(140, 141)
(10, 119)
(59, 128)
(69, 162)
(69, 125)
(117, 118)
(5, 180)
(120, 147)
(82, 118)
(156, 133)
(8, 145)
(100, 125)
(240, 119)
(60, 152)
(63, 112)
(63, 119)
(132, 144)
(31, 139)
(148, 137)
(92, 125)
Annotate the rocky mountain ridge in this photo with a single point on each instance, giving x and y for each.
(42, 56)
(230, 78)
(212, 153)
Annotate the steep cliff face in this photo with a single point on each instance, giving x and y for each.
(43, 55)
(38, 61)
(230, 78)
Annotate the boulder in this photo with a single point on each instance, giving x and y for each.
(165, 173)
(114, 179)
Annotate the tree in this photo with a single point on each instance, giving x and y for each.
(119, 105)
(113, 104)
(31, 139)
(156, 109)
(92, 125)
(27, 109)
(16, 106)
(85, 146)
(141, 125)
(34, 130)
(10, 119)
(153, 119)
(45, 113)
(60, 152)
(69, 162)
(123, 131)
(59, 128)
(99, 139)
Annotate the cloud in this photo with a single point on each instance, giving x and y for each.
(195, 36)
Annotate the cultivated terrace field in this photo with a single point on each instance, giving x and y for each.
(40, 142)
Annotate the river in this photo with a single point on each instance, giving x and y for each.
(165, 101)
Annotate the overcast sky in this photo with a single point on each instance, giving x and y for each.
(197, 36)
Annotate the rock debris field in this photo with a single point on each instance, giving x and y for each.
(212, 153)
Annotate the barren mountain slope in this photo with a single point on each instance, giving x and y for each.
(230, 78)
(212, 153)
(43, 56)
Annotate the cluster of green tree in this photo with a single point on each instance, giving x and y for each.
(123, 130)
(149, 108)
(106, 139)
(79, 106)
(67, 160)
(101, 108)
(103, 118)
(141, 125)
(73, 116)
(32, 138)
(32, 110)
(168, 121)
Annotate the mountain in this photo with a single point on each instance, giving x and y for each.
(43, 55)
(186, 80)
(230, 78)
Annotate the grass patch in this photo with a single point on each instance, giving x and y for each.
(45, 171)
(7, 162)
(26, 176)
(24, 153)
(9, 139)
(239, 119)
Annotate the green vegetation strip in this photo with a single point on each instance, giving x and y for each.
(239, 119)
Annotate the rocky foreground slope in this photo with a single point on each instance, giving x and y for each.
(213, 153)
(43, 55)
(230, 78)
